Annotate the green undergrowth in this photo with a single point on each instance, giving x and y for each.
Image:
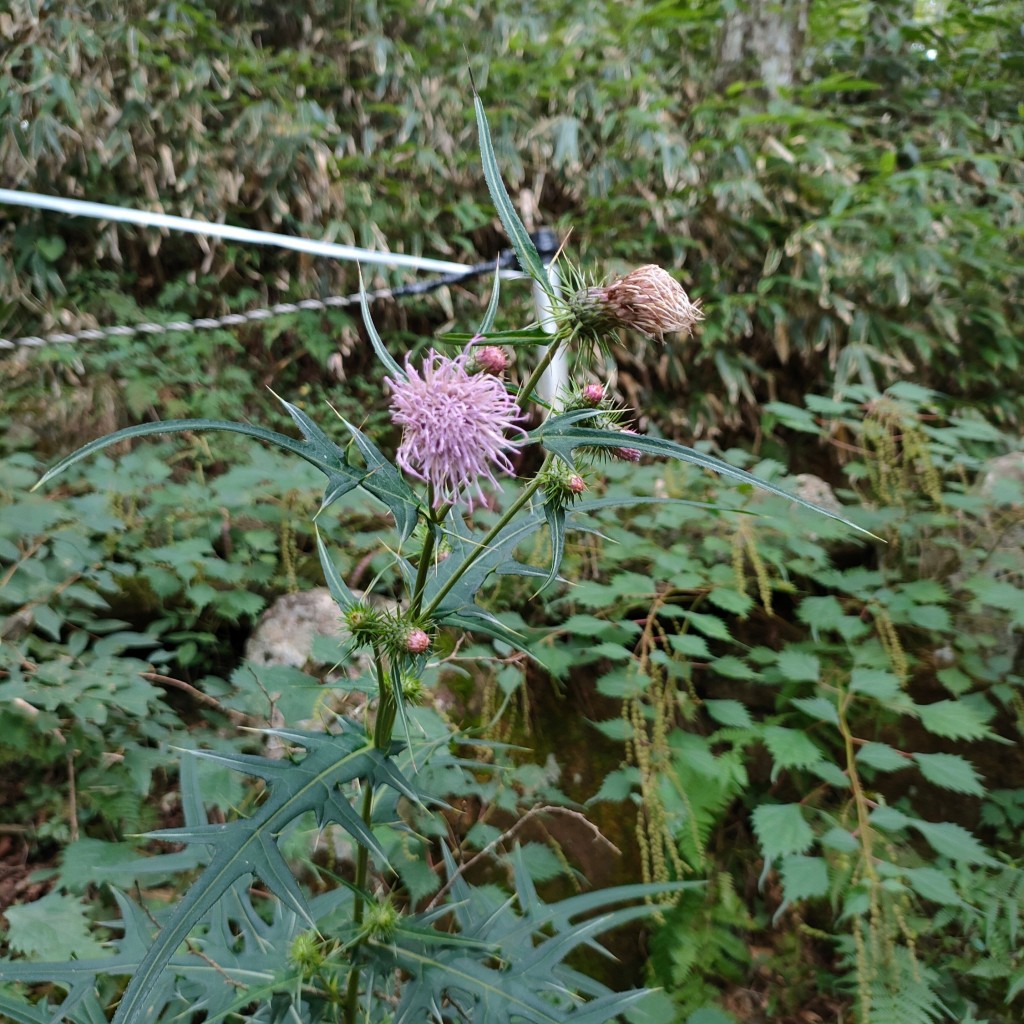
(826, 731)
(822, 730)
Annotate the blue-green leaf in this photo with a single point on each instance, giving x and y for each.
(335, 584)
(383, 355)
(383, 481)
(562, 436)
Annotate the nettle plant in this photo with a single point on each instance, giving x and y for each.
(370, 948)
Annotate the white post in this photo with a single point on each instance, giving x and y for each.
(555, 380)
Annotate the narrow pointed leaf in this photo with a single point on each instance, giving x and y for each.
(385, 482)
(249, 848)
(529, 258)
(335, 584)
(563, 438)
(555, 516)
(492, 306)
(289, 444)
(383, 355)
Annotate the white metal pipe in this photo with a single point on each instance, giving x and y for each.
(145, 218)
(555, 379)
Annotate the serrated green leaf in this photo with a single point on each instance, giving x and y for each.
(617, 785)
(932, 884)
(790, 748)
(710, 625)
(953, 841)
(881, 757)
(781, 830)
(889, 819)
(950, 771)
(729, 713)
(689, 645)
(929, 616)
(803, 878)
(880, 684)
(54, 927)
(818, 707)
(953, 719)
(733, 668)
(840, 839)
(799, 666)
(729, 600)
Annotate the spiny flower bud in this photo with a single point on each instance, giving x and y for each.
(491, 359)
(307, 953)
(364, 623)
(561, 486)
(592, 394)
(627, 454)
(412, 689)
(648, 299)
(417, 641)
(382, 919)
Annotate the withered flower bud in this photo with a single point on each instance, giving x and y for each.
(647, 299)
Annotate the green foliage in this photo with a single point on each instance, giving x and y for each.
(818, 729)
(853, 739)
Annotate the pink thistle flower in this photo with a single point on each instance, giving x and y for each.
(417, 641)
(576, 484)
(593, 394)
(454, 426)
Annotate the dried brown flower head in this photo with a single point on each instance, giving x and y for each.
(647, 299)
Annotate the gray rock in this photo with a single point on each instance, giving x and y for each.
(286, 630)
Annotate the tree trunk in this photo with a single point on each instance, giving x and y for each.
(763, 39)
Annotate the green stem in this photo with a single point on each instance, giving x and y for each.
(531, 382)
(382, 731)
(525, 495)
(434, 520)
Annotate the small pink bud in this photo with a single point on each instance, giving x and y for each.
(576, 484)
(593, 394)
(627, 454)
(491, 359)
(417, 641)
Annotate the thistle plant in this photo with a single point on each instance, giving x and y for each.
(363, 951)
